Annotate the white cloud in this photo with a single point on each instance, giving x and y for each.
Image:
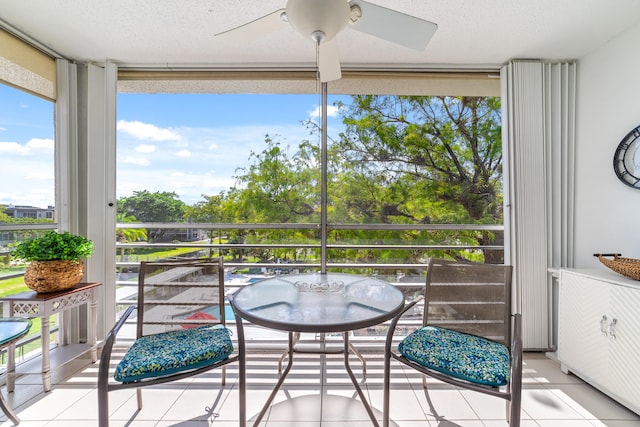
(219, 184)
(13, 148)
(33, 147)
(140, 161)
(39, 175)
(146, 131)
(39, 143)
(332, 111)
(183, 153)
(145, 148)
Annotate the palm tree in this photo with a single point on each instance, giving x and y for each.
(124, 235)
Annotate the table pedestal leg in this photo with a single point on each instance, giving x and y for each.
(11, 367)
(359, 356)
(280, 381)
(91, 331)
(46, 370)
(296, 338)
(354, 380)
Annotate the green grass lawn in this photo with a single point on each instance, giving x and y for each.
(11, 286)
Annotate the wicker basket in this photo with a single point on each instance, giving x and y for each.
(53, 276)
(628, 267)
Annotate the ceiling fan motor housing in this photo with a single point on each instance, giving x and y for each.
(309, 16)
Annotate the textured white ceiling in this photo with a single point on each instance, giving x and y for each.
(480, 34)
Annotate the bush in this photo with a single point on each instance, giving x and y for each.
(53, 246)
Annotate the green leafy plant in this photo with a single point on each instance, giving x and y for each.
(54, 246)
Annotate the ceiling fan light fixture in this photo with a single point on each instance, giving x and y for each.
(327, 16)
(317, 36)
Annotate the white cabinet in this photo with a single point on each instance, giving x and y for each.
(599, 332)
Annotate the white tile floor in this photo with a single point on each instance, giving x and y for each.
(311, 399)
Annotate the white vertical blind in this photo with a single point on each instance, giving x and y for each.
(527, 197)
(66, 153)
(539, 111)
(559, 105)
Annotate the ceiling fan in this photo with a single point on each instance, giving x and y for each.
(322, 20)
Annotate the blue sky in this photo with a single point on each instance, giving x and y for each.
(190, 144)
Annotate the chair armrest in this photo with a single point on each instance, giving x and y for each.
(516, 349)
(107, 348)
(394, 322)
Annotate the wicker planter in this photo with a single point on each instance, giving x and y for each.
(53, 276)
(629, 267)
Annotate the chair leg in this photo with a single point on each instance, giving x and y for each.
(139, 396)
(508, 405)
(429, 402)
(8, 411)
(514, 406)
(103, 401)
(387, 386)
(242, 372)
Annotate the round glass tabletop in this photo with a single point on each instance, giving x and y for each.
(315, 302)
(12, 329)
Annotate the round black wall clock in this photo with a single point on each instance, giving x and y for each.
(626, 160)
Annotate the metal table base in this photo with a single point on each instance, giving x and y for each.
(293, 339)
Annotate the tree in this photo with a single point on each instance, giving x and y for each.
(424, 160)
(210, 210)
(4, 218)
(163, 207)
(278, 188)
(124, 235)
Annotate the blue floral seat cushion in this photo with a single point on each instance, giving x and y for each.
(175, 351)
(463, 356)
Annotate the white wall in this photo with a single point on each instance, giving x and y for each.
(608, 106)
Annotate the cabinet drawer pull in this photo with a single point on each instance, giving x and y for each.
(603, 325)
(612, 328)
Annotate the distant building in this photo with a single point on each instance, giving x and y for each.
(30, 212)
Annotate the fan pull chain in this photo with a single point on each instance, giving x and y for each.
(318, 66)
(317, 36)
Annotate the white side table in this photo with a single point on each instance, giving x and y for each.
(43, 305)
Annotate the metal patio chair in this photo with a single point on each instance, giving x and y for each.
(181, 331)
(469, 337)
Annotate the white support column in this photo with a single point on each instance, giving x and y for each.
(97, 182)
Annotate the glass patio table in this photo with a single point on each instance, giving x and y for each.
(317, 303)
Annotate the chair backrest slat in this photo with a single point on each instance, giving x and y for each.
(470, 297)
(180, 294)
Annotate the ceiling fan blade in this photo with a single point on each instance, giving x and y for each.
(329, 61)
(256, 28)
(393, 26)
